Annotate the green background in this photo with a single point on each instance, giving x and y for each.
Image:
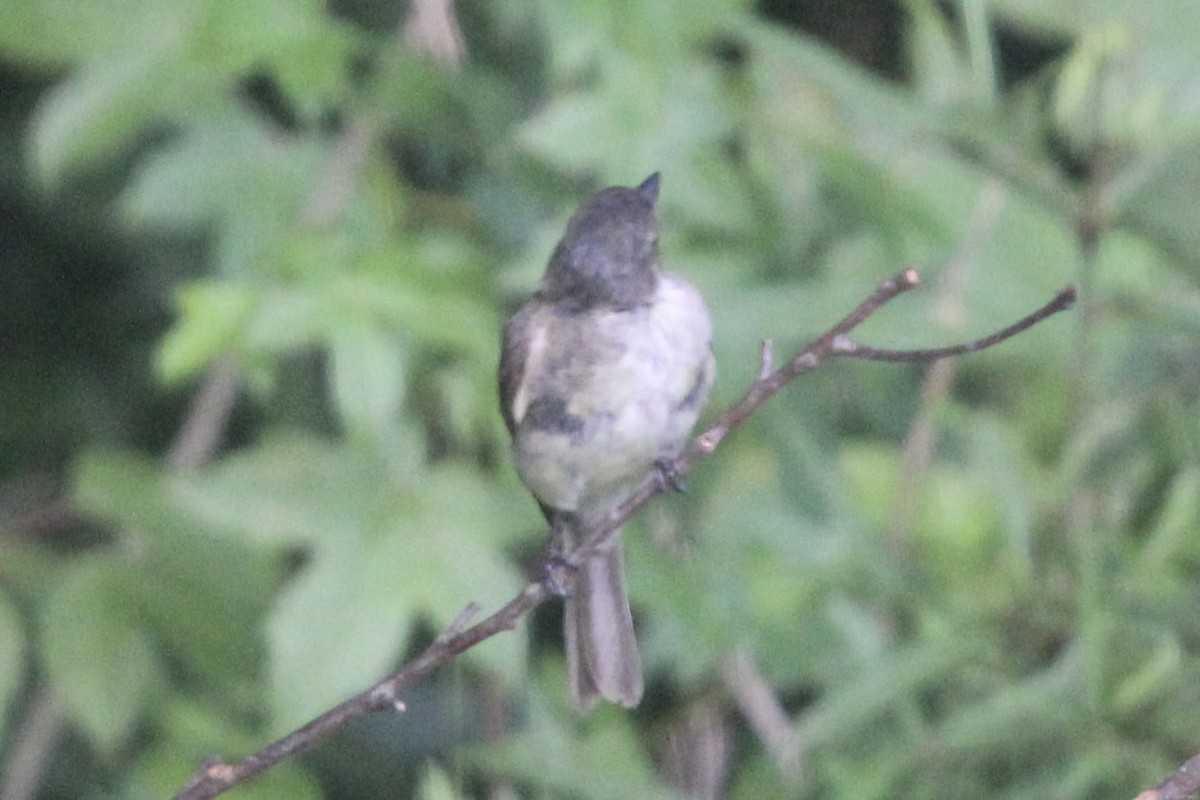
(976, 581)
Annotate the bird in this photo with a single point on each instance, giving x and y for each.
(603, 374)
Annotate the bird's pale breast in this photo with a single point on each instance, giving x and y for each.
(607, 394)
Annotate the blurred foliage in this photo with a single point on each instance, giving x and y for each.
(979, 582)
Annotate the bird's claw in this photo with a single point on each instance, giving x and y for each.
(668, 476)
(558, 572)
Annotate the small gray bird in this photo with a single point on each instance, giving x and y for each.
(603, 373)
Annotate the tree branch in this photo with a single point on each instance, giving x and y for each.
(215, 776)
(33, 744)
(765, 714)
(1184, 784)
(835, 343)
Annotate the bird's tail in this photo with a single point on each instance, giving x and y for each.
(602, 654)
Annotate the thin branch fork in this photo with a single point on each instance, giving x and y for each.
(216, 777)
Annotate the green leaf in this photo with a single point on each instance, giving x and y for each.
(122, 488)
(940, 71)
(1157, 205)
(291, 490)
(212, 317)
(146, 63)
(341, 623)
(287, 318)
(234, 37)
(600, 762)
(1037, 705)
(62, 32)
(188, 731)
(229, 172)
(99, 659)
(420, 306)
(337, 627)
(312, 68)
(436, 784)
(1153, 662)
(96, 113)
(1170, 546)
(211, 626)
(888, 682)
(367, 376)
(644, 92)
(599, 130)
(389, 543)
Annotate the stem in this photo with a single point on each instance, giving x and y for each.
(216, 777)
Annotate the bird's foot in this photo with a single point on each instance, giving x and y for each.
(558, 574)
(668, 475)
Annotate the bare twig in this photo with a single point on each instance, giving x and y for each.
(835, 343)
(215, 777)
(202, 429)
(36, 507)
(34, 742)
(432, 28)
(196, 441)
(1062, 301)
(697, 751)
(336, 186)
(1184, 784)
(766, 359)
(921, 440)
(765, 714)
